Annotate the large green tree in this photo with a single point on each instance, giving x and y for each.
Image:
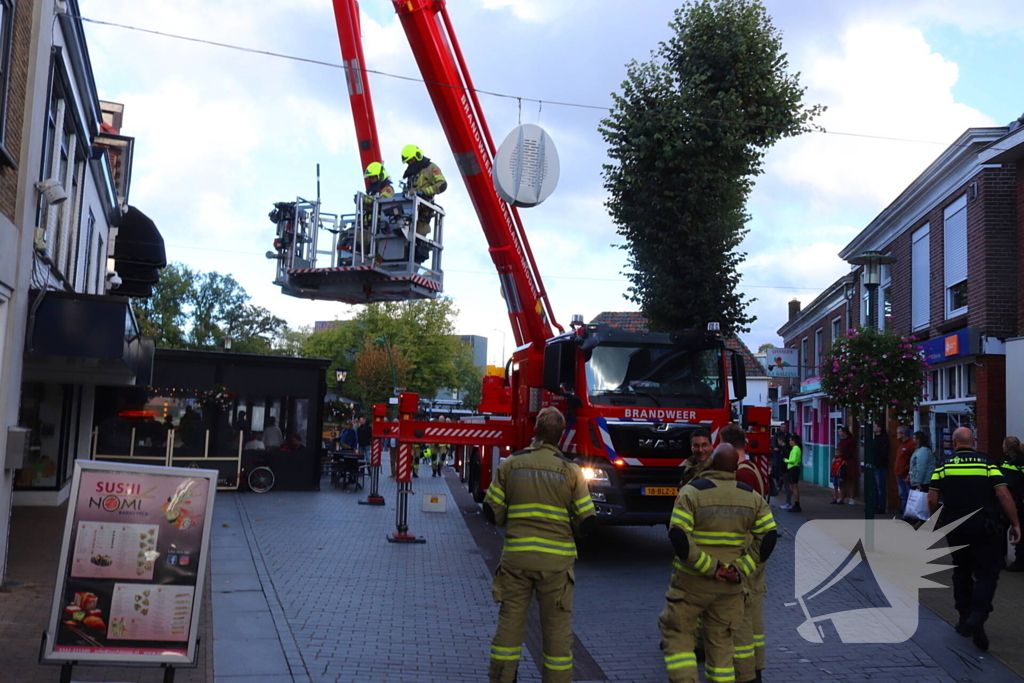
(687, 136)
(428, 355)
(195, 310)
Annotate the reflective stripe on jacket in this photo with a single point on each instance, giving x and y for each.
(540, 497)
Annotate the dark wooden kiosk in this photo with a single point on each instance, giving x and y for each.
(218, 410)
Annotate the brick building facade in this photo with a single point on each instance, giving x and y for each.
(956, 236)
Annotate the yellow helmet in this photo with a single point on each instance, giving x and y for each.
(411, 153)
(376, 170)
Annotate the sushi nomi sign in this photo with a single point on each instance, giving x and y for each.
(133, 565)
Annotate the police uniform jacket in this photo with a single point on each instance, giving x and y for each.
(724, 521)
(540, 497)
(967, 481)
(1013, 472)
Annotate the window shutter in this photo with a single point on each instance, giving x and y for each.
(954, 232)
(919, 285)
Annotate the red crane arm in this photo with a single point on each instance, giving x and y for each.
(346, 16)
(448, 82)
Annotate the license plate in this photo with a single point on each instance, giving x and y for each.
(659, 491)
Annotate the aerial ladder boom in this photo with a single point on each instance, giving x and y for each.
(433, 42)
(346, 16)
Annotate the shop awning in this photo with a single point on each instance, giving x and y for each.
(138, 254)
(87, 339)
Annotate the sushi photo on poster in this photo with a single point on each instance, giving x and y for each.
(132, 564)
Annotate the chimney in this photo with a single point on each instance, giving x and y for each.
(794, 308)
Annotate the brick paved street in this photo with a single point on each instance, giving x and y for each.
(306, 589)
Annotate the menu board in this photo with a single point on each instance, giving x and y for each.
(132, 564)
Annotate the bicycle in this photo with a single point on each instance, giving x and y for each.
(257, 477)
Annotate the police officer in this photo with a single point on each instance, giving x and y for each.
(721, 531)
(1013, 471)
(541, 498)
(972, 486)
(700, 455)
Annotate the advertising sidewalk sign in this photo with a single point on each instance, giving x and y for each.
(132, 566)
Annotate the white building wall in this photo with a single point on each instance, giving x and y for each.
(1015, 387)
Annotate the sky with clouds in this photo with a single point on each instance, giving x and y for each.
(222, 134)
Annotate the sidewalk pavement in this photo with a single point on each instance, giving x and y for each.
(1004, 627)
(25, 606)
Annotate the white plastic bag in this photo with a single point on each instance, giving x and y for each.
(917, 506)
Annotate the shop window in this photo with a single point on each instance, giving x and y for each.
(46, 409)
(808, 426)
(6, 41)
(972, 387)
(819, 349)
(920, 296)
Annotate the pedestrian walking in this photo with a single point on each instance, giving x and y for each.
(794, 469)
(364, 438)
(973, 490)
(922, 462)
(901, 468)
(713, 518)
(541, 497)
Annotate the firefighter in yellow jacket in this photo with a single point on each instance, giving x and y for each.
(714, 519)
(541, 498)
(422, 178)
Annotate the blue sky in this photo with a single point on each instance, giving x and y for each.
(221, 135)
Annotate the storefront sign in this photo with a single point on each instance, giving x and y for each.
(132, 566)
(782, 362)
(810, 384)
(966, 342)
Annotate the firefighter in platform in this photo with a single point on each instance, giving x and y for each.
(422, 178)
(972, 487)
(541, 497)
(721, 531)
(700, 455)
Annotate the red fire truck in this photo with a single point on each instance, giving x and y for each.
(631, 399)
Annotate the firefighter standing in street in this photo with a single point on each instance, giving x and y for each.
(721, 530)
(972, 487)
(700, 458)
(541, 498)
(749, 640)
(422, 178)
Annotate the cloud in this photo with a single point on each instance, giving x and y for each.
(884, 81)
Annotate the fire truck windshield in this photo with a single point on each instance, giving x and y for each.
(655, 375)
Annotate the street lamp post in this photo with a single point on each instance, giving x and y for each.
(391, 362)
(871, 278)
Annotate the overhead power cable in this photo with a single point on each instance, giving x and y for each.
(519, 98)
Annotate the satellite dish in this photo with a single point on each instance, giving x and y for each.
(525, 170)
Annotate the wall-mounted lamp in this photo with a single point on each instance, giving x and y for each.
(113, 279)
(340, 374)
(52, 191)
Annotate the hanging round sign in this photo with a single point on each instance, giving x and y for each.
(525, 170)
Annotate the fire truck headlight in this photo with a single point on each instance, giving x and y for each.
(596, 476)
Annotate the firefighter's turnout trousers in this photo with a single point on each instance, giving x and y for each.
(514, 589)
(722, 605)
(749, 640)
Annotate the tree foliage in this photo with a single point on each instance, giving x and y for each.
(428, 355)
(687, 136)
(194, 310)
(870, 371)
